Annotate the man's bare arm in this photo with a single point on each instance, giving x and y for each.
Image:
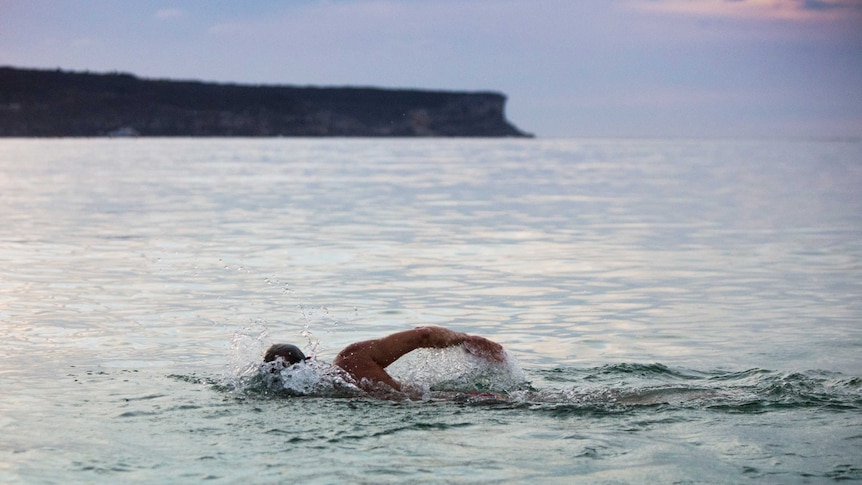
(369, 359)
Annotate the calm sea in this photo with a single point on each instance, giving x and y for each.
(675, 310)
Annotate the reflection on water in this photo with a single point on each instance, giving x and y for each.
(126, 261)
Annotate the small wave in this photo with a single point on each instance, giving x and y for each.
(645, 369)
(795, 390)
(623, 387)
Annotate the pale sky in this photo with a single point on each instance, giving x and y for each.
(570, 68)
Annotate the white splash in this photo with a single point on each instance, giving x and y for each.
(454, 369)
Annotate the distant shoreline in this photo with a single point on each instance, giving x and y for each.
(55, 103)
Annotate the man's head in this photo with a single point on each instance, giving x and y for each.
(289, 353)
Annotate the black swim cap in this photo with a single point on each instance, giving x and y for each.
(290, 353)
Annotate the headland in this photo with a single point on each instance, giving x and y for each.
(55, 103)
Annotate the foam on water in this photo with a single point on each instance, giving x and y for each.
(455, 370)
(310, 378)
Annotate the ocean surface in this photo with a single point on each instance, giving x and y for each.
(674, 311)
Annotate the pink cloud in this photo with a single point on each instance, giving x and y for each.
(793, 10)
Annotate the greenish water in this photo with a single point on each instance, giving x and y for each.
(675, 310)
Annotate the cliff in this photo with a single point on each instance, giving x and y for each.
(70, 104)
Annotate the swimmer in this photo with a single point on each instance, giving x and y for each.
(366, 361)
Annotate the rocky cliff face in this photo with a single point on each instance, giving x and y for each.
(56, 103)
